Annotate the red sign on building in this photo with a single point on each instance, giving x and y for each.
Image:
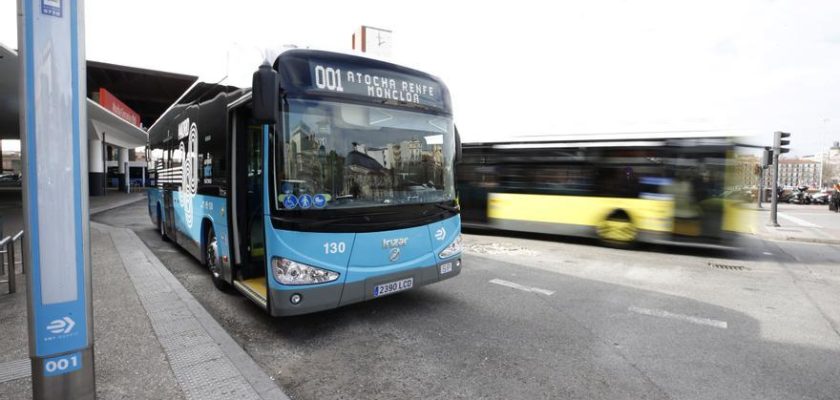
(114, 105)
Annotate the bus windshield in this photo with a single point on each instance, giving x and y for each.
(340, 155)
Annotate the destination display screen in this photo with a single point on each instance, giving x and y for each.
(375, 83)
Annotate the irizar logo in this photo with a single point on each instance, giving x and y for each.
(189, 170)
(440, 234)
(392, 243)
(395, 254)
(64, 325)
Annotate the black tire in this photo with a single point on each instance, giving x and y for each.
(211, 260)
(160, 227)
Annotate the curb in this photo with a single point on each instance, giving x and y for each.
(811, 240)
(97, 210)
(784, 238)
(168, 324)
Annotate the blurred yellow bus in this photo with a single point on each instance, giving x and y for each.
(621, 189)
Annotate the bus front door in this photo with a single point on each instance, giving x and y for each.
(249, 236)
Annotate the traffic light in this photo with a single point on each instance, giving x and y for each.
(779, 141)
(767, 158)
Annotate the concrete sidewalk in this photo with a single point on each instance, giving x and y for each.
(114, 199)
(152, 339)
(794, 228)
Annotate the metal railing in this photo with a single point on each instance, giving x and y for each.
(7, 248)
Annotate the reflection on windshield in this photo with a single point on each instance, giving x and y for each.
(345, 155)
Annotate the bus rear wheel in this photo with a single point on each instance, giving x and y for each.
(617, 230)
(211, 257)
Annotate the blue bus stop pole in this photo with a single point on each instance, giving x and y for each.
(55, 197)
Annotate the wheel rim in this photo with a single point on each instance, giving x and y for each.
(212, 251)
(617, 231)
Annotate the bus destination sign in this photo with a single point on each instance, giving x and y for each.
(375, 83)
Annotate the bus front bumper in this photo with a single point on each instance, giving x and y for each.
(314, 299)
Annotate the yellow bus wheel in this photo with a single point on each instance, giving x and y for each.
(617, 230)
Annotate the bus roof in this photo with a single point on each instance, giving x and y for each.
(358, 78)
(293, 66)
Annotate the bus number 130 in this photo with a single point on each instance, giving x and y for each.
(334, 247)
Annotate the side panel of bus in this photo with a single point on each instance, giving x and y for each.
(674, 192)
(191, 171)
(518, 211)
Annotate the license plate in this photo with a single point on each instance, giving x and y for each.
(393, 287)
(445, 268)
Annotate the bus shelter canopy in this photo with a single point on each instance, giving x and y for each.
(148, 92)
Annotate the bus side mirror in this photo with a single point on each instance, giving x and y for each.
(457, 146)
(265, 94)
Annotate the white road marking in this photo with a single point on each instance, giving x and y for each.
(767, 253)
(798, 221)
(521, 287)
(688, 318)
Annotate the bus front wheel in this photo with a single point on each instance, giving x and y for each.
(617, 230)
(211, 258)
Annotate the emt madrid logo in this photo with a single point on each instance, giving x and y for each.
(59, 326)
(189, 170)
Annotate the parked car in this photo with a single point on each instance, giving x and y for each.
(10, 179)
(800, 195)
(820, 197)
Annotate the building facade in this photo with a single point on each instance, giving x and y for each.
(831, 165)
(794, 172)
(746, 171)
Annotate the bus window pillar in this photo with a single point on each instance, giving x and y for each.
(96, 168)
(122, 166)
(143, 184)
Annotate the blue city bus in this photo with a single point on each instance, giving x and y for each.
(329, 182)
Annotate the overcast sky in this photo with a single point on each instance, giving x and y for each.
(519, 68)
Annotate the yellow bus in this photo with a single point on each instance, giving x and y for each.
(621, 189)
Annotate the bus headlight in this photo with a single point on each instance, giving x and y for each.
(289, 272)
(453, 248)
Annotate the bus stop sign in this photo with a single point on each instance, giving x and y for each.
(54, 137)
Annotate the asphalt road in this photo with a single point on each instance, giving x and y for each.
(539, 317)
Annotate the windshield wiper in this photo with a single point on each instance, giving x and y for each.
(363, 217)
(448, 208)
(322, 222)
